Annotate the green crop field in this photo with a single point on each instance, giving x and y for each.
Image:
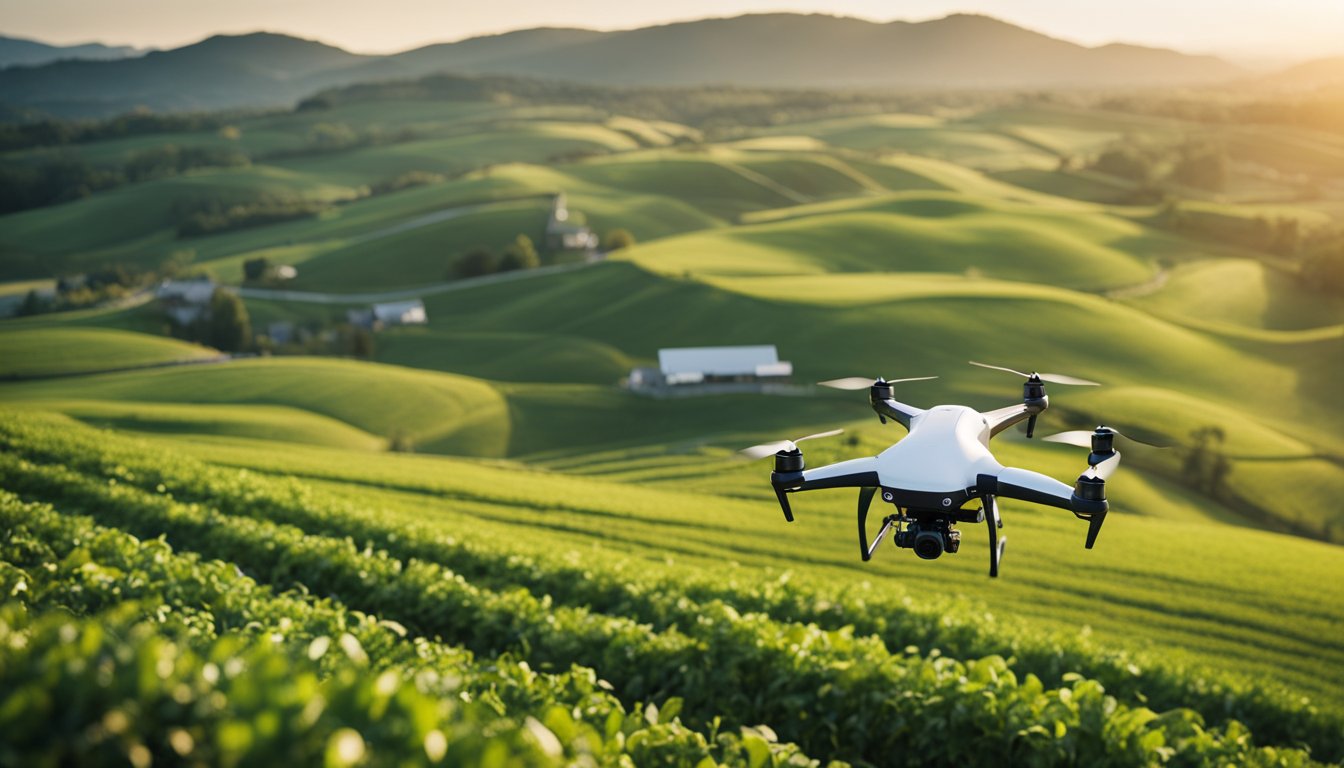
(467, 542)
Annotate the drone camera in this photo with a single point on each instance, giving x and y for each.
(930, 539)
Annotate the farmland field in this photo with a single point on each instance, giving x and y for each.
(470, 542)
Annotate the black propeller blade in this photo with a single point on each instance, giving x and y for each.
(1054, 378)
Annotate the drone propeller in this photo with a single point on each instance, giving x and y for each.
(1103, 469)
(767, 449)
(1083, 438)
(1104, 459)
(854, 383)
(1054, 378)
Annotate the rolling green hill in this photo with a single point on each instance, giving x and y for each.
(601, 565)
(434, 411)
(53, 351)
(921, 232)
(139, 220)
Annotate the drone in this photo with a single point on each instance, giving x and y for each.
(944, 464)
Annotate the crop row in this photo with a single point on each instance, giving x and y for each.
(49, 560)
(830, 692)
(1271, 715)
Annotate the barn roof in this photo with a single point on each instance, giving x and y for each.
(717, 361)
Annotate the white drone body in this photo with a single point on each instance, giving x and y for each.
(946, 450)
(945, 463)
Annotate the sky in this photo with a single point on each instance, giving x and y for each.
(1269, 31)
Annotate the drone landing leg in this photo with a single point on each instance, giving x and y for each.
(784, 504)
(881, 534)
(865, 501)
(992, 520)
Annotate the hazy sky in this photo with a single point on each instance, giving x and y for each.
(1263, 29)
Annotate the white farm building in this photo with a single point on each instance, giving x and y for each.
(685, 370)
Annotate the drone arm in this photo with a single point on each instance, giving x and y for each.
(1025, 485)
(855, 473)
(1086, 500)
(1003, 418)
(888, 408)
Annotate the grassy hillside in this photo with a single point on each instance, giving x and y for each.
(917, 232)
(139, 219)
(555, 530)
(433, 411)
(276, 424)
(37, 352)
(1243, 294)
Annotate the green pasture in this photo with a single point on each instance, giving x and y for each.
(136, 223)
(535, 356)
(364, 218)
(1076, 185)
(416, 115)
(57, 351)
(646, 215)
(700, 179)
(275, 424)
(434, 411)
(499, 143)
(653, 133)
(928, 136)
(425, 254)
(922, 232)
(1242, 293)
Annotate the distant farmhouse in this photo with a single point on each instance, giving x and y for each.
(563, 235)
(185, 301)
(390, 314)
(713, 370)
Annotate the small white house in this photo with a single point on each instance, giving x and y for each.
(400, 313)
(696, 365)
(185, 300)
(388, 314)
(563, 235)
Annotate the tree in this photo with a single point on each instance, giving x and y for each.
(329, 136)
(1204, 463)
(229, 329)
(476, 263)
(1324, 270)
(256, 269)
(1126, 162)
(520, 254)
(34, 304)
(617, 239)
(1205, 167)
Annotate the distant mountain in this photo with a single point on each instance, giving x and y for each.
(766, 50)
(16, 50)
(1311, 75)
(258, 69)
(792, 50)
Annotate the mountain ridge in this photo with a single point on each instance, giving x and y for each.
(772, 50)
(22, 51)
